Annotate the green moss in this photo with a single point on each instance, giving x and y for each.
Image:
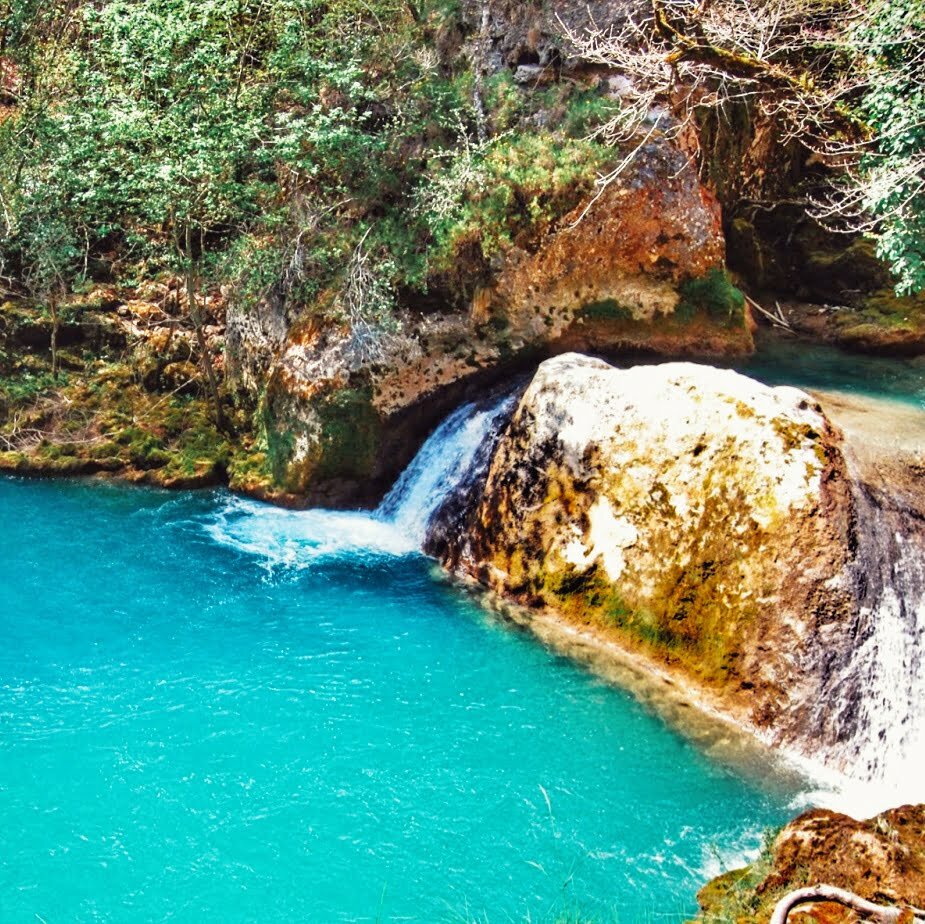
(735, 895)
(344, 445)
(713, 294)
(571, 581)
(200, 450)
(607, 309)
(350, 434)
(249, 470)
(590, 596)
(26, 386)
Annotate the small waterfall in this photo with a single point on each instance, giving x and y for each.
(879, 679)
(460, 445)
(452, 456)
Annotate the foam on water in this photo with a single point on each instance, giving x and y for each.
(285, 538)
(883, 671)
(298, 539)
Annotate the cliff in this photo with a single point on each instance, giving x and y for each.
(429, 221)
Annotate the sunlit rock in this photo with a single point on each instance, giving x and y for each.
(712, 524)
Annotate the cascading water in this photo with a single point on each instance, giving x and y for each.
(877, 689)
(876, 676)
(459, 448)
(454, 454)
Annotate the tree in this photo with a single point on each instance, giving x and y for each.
(49, 267)
(891, 177)
(152, 127)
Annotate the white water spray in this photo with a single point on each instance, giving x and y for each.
(876, 696)
(874, 708)
(443, 463)
(293, 539)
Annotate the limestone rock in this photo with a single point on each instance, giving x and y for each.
(638, 267)
(702, 518)
(881, 859)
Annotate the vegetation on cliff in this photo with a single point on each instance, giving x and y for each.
(839, 84)
(245, 152)
(347, 168)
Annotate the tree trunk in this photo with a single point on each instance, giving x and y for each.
(196, 317)
(478, 85)
(53, 308)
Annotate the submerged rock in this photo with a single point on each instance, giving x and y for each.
(706, 521)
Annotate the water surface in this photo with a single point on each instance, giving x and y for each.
(215, 711)
(785, 359)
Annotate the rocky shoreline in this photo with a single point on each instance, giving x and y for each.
(873, 445)
(881, 859)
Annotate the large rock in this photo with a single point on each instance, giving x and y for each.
(881, 859)
(701, 519)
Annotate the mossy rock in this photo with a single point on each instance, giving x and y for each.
(607, 309)
(335, 435)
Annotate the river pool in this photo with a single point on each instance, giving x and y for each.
(216, 711)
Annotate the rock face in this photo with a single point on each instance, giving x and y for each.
(528, 37)
(882, 860)
(701, 518)
(830, 287)
(640, 271)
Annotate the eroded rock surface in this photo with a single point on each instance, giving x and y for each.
(702, 518)
(637, 269)
(881, 859)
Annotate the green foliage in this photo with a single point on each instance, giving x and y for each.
(262, 140)
(25, 386)
(606, 310)
(507, 192)
(892, 39)
(713, 293)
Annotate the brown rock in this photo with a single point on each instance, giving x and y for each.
(881, 859)
(637, 268)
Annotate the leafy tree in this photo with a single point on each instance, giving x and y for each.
(892, 38)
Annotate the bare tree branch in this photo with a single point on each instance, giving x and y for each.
(880, 914)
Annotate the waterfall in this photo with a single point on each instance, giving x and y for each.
(455, 453)
(459, 447)
(879, 683)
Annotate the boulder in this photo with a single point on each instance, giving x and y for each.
(881, 859)
(701, 519)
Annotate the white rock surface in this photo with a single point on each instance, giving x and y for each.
(701, 517)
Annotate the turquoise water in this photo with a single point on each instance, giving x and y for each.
(781, 359)
(200, 722)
